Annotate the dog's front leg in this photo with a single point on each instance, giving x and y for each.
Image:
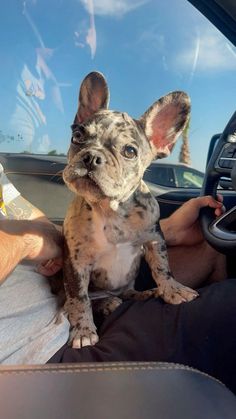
(78, 306)
(167, 287)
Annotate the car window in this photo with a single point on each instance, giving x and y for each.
(160, 175)
(145, 48)
(188, 178)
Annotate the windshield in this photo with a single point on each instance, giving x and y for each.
(144, 48)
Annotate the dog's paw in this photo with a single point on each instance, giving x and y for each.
(173, 292)
(81, 341)
(106, 306)
(80, 338)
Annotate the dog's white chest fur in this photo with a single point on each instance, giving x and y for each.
(116, 261)
(113, 258)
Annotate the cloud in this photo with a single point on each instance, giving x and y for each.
(91, 37)
(113, 7)
(153, 38)
(157, 45)
(206, 52)
(87, 35)
(103, 8)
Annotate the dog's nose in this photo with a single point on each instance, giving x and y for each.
(92, 160)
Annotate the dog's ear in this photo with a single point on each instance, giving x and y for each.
(93, 96)
(164, 121)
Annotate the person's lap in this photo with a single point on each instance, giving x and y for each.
(32, 326)
(200, 334)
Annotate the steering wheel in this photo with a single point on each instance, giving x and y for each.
(221, 232)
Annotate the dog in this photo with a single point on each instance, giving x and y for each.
(113, 219)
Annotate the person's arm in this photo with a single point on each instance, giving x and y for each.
(12, 251)
(192, 260)
(28, 234)
(34, 240)
(182, 227)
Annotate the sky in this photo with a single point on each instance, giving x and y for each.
(145, 49)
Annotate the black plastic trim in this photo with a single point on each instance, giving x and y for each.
(220, 16)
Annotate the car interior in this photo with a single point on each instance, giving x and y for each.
(34, 165)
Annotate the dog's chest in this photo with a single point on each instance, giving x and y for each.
(102, 244)
(115, 267)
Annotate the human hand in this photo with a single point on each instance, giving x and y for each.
(50, 267)
(43, 241)
(183, 227)
(39, 240)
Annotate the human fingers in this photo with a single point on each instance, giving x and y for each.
(220, 211)
(219, 197)
(51, 267)
(209, 201)
(189, 211)
(217, 204)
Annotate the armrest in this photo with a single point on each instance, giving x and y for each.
(112, 390)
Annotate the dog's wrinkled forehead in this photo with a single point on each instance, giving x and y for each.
(111, 124)
(108, 127)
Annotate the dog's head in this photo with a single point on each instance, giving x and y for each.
(109, 150)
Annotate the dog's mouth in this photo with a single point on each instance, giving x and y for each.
(90, 176)
(87, 184)
(92, 184)
(90, 179)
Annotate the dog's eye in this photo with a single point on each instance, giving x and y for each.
(78, 132)
(76, 137)
(129, 152)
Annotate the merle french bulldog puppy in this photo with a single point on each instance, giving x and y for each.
(114, 218)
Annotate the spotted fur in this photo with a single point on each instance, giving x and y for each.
(113, 219)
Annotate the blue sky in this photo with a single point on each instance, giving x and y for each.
(144, 48)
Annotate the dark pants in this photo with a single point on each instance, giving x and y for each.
(201, 334)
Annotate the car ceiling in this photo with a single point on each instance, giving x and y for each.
(222, 13)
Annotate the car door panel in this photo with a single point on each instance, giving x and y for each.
(39, 180)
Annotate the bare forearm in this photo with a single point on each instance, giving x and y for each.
(26, 233)
(34, 240)
(168, 231)
(12, 250)
(13, 246)
(191, 259)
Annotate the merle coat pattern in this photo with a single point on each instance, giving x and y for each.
(114, 218)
